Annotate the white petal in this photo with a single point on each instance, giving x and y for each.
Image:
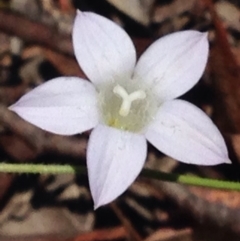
(174, 63)
(103, 49)
(65, 105)
(114, 160)
(185, 133)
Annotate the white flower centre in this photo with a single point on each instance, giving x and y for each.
(127, 99)
(127, 105)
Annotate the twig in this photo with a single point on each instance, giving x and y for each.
(34, 32)
(40, 140)
(226, 76)
(203, 211)
(132, 233)
(103, 235)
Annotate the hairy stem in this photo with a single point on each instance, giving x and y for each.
(149, 173)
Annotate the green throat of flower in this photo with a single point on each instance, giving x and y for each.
(127, 108)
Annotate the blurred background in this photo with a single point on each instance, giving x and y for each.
(35, 46)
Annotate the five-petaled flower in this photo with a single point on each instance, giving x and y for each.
(127, 103)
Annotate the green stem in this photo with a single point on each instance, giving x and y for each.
(191, 180)
(163, 176)
(41, 168)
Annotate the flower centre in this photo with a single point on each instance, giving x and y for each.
(127, 105)
(127, 99)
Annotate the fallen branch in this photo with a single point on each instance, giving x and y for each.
(34, 32)
(40, 140)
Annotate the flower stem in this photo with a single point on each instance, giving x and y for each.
(42, 168)
(163, 176)
(191, 180)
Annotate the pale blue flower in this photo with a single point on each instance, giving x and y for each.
(128, 103)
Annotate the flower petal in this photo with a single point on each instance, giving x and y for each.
(174, 64)
(102, 48)
(185, 133)
(114, 160)
(65, 105)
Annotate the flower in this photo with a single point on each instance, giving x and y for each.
(127, 103)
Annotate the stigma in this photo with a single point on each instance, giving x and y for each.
(127, 99)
